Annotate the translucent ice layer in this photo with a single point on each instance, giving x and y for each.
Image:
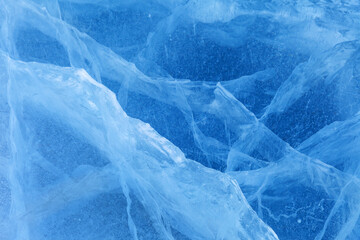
(179, 119)
(77, 157)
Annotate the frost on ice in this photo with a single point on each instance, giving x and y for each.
(179, 119)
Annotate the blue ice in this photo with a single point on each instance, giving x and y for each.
(179, 119)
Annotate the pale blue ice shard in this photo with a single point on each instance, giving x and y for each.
(337, 144)
(74, 148)
(323, 90)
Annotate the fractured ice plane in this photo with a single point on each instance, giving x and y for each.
(82, 151)
(179, 119)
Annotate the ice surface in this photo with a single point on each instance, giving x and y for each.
(319, 92)
(179, 119)
(74, 149)
(336, 144)
(303, 198)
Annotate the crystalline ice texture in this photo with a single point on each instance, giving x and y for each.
(179, 119)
